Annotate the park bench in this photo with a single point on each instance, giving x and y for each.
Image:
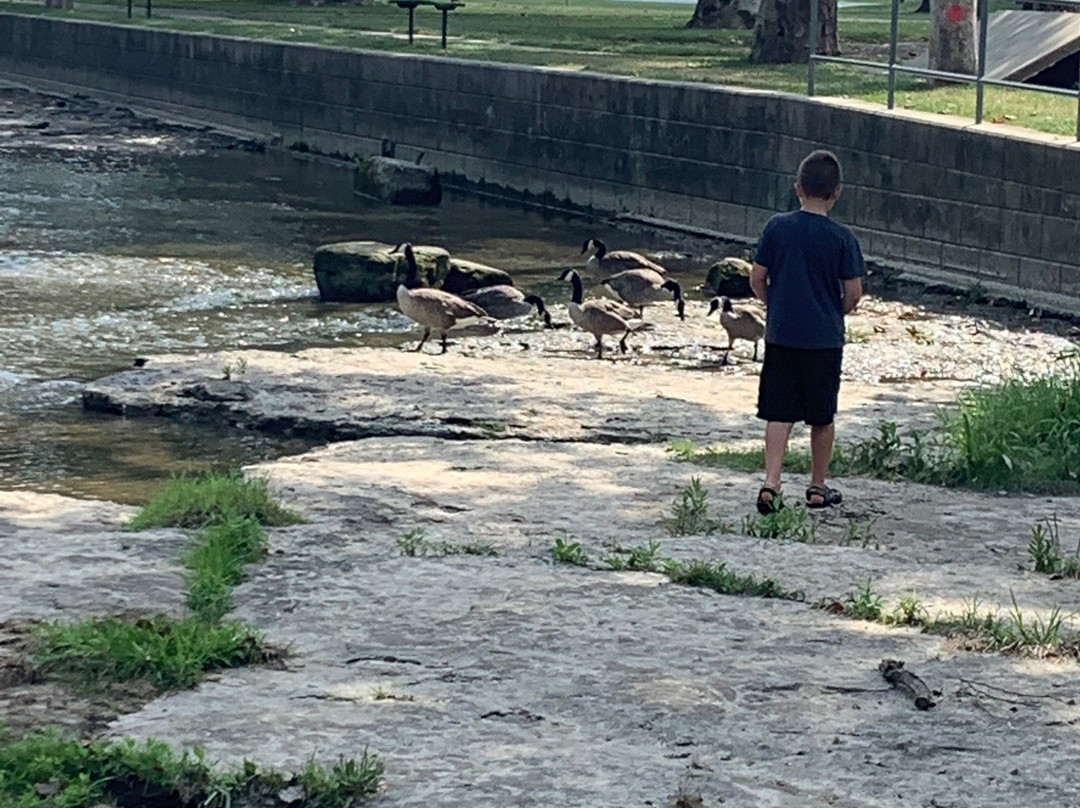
(445, 6)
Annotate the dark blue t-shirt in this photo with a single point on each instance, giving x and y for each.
(808, 256)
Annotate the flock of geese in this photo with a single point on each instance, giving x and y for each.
(634, 280)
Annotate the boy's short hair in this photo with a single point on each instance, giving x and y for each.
(820, 175)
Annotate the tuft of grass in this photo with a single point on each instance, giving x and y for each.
(414, 544)
(860, 531)
(642, 558)
(792, 522)
(217, 561)
(716, 576)
(1016, 633)
(197, 501)
(167, 652)
(569, 553)
(1021, 434)
(908, 612)
(864, 603)
(51, 770)
(690, 513)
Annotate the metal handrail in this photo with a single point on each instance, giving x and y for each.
(980, 80)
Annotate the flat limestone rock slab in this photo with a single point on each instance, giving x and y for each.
(68, 558)
(341, 394)
(510, 680)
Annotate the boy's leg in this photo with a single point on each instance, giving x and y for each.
(780, 405)
(821, 446)
(776, 441)
(824, 366)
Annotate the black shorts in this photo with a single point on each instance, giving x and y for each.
(799, 384)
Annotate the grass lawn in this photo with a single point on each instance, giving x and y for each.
(643, 39)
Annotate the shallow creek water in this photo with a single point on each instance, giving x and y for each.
(120, 237)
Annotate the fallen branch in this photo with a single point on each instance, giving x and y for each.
(906, 682)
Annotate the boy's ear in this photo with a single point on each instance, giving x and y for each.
(836, 194)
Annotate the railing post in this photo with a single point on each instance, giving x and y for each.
(894, 34)
(411, 10)
(1078, 104)
(983, 11)
(810, 65)
(129, 9)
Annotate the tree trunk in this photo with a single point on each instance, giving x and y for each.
(724, 14)
(953, 36)
(782, 31)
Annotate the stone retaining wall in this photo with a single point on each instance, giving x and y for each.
(935, 195)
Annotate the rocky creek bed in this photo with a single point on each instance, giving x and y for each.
(510, 680)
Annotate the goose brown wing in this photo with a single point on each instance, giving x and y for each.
(625, 259)
(449, 304)
(597, 317)
(613, 307)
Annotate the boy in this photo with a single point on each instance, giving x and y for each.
(808, 271)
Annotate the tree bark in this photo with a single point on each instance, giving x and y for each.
(724, 14)
(953, 36)
(782, 31)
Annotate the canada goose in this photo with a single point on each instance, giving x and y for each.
(740, 322)
(431, 308)
(599, 316)
(504, 302)
(641, 286)
(616, 261)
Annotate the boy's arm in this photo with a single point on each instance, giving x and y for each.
(759, 282)
(852, 293)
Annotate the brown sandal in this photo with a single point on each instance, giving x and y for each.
(828, 497)
(770, 505)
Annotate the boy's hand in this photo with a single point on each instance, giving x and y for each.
(852, 293)
(759, 282)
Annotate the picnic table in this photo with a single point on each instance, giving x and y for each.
(445, 6)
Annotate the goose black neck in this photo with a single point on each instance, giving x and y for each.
(576, 281)
(412, 278)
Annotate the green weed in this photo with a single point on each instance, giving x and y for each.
(864, 603)
(859, 531)
(415, 544)
(908, 612)
(792, 522)
(569, 553)
(165, 651)
(642, 558)
(201, 500)
(690, 513)
(50, 770)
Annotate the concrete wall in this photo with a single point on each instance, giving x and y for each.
(962, 203)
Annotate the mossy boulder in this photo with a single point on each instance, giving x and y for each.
(729, 277)
(468, 276)
(369, 272)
